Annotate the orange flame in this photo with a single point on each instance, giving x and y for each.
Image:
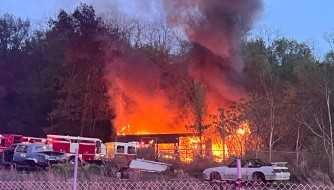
(141, 111)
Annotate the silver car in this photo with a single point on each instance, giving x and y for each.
(36, 155)
(251, 170)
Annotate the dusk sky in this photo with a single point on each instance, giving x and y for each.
(304, 20)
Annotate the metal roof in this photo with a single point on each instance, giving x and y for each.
(157, 138)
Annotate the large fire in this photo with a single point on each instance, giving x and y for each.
(147, 114)
(150, 89)
(143, 108)
(190, 147)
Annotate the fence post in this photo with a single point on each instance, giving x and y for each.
(238, 181)
(239, 168)
(75, 175)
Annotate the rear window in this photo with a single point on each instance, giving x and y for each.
(233, 164)
(21, 148)
(131, 150)
(120, 149)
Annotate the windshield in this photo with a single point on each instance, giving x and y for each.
(233, 164)
(42, 148)
(21, 149)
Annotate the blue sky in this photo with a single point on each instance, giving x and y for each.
(304, 20)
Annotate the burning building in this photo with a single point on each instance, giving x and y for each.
(185, 147)
(152, 91)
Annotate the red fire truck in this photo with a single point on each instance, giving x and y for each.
(90, 149)
(33, 140)
(6, 140)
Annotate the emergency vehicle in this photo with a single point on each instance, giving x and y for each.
(89, 149)
(122, 153)
(6, 140)
(28, 140)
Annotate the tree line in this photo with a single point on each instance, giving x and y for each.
(289, 106)
(53, 81)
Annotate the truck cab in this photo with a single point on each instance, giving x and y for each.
(122, 153)
(89, 149)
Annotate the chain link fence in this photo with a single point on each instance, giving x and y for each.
(153, 185)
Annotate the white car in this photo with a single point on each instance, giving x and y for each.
(251, 170)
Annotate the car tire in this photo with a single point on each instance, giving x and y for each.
(215, 176)
(18, 168)
(258, 177)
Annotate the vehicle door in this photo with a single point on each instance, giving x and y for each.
(250, 169)
(9, 153)
(121, 155)
(20, 153)
(231, 171)
(87, 148)
(254, 166)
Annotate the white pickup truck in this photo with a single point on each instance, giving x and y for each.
(251, 170)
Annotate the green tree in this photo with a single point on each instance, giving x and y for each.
(270, 69)
(83, 102)
(13, 35)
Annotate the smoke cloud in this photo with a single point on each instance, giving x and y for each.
(149, 95)
(215, 24)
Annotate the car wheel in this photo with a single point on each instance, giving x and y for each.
(215, 176)
(18, 168)
(258, 177)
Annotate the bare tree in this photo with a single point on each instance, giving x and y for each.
(198, 108)
(316, 116)
(226, 122)
(268, 85)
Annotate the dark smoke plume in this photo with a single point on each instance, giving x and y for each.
(150, 95)
(215, 24)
